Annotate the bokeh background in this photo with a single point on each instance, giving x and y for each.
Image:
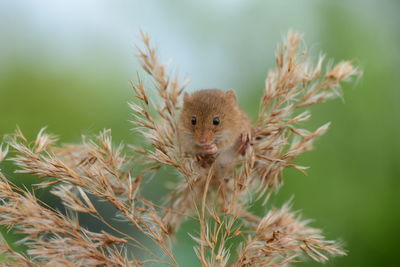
(67, 65)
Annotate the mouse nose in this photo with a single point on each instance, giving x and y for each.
(202, 140)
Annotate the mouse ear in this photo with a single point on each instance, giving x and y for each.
(186, 97)
(231, 95)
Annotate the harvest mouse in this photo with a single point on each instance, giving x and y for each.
(212, 127)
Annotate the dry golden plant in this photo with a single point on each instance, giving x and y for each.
(228, 234)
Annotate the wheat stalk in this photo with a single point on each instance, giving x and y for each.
(96, 168)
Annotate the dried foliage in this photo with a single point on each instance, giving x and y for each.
(96, 168)
(281, 237)
(295, 83)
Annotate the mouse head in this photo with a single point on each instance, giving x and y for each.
(210, 117)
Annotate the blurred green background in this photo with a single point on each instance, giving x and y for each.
(67, 65)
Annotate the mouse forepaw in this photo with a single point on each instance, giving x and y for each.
(245, 139)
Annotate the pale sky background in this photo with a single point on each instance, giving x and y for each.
(84, 31)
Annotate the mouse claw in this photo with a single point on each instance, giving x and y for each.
(245, 139)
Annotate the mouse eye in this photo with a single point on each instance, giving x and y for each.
(194, 120)
(216, 121)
